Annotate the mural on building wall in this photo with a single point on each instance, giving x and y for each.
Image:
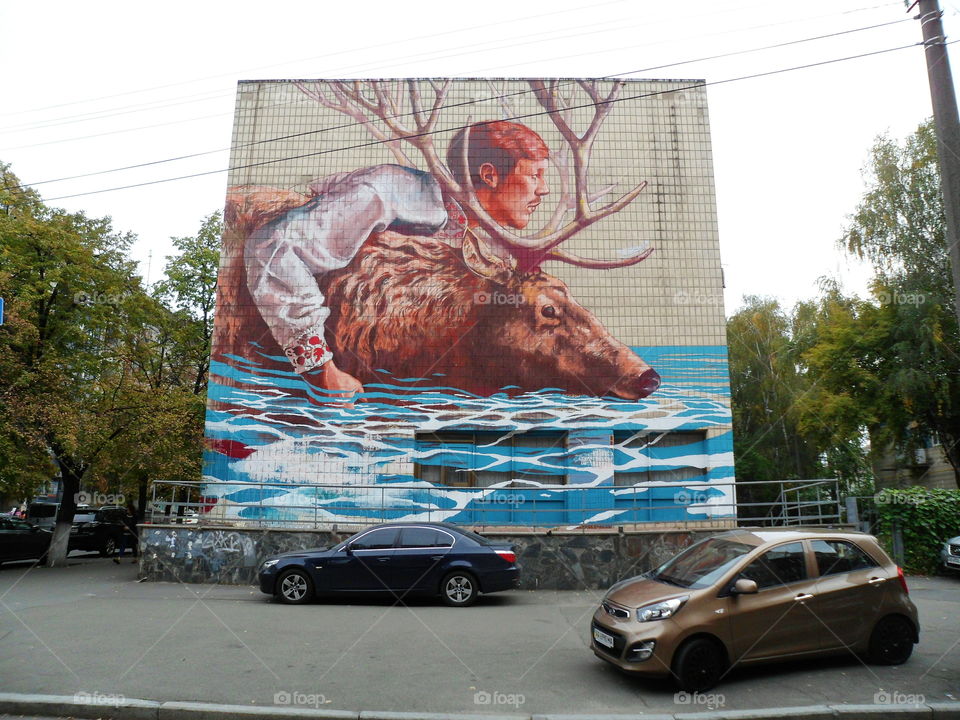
(410, 297)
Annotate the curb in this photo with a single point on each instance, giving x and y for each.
(117, 707)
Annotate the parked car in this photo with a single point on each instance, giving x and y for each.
(44, 513)
(950, 554)
(102, 531)
(753, 596)
(21, 540)
(398, 558)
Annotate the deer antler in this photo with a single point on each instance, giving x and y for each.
(383, 100)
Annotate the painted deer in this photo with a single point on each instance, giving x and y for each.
(481, 314)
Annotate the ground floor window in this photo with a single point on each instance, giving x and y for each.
(635, 447)
(466, 458)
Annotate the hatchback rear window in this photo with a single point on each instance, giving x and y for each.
(836, 556)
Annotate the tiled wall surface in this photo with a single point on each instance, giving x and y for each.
(278, 455)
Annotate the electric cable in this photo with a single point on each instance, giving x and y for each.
(519, 117)
(453, 105)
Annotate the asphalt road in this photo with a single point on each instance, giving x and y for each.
(91, 628)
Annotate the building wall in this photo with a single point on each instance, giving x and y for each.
(477, 409)
(559, 561)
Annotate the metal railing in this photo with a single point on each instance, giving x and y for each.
(305, 506)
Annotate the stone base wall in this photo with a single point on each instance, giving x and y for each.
(550, 561)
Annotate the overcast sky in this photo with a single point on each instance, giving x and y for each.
(91, 87)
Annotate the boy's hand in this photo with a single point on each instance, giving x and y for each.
(337, 385)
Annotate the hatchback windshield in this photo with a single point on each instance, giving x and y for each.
(703, 564)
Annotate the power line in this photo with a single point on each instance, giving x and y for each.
(431, 56)
(470, 102)
(512, 20)
(518, 117)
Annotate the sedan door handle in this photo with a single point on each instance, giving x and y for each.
(803, 596)
(875, 580)
(383, 559)
(436, 558)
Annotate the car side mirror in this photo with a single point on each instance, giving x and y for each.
(744, 587)
(348, 549)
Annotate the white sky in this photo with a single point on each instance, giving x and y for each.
(96, 86)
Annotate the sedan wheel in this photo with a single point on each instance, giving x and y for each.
(459, 589)
(891, 642)
(698, 665)
(109, 547)
(294, 587)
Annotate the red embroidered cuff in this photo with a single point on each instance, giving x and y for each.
(308, 351)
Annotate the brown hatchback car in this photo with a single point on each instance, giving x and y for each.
(757, 595)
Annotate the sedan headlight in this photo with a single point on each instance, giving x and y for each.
(661, 610)
(268, 564)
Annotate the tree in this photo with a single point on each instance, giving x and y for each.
(167, 349)
(899, 228)
(765, 383)
(69, 286)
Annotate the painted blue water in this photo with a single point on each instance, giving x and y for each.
(297, 444)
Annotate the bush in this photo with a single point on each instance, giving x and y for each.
(926, 518)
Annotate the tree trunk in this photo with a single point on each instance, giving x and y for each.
(143, 480)
(70, 473)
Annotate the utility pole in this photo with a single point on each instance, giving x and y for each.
(947, 123)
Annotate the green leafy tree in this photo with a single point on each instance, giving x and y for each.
(168, 352)
(899, 228)
(69, 285)
(765, 383)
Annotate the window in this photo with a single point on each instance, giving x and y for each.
(634, 447)
(481, 459)
(783, 565)
(417, 537)
(377, 539)
(835, 556)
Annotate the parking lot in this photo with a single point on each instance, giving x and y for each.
(91, 628)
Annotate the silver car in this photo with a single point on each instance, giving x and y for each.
(950, 554)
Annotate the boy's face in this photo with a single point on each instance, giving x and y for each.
(512, 200)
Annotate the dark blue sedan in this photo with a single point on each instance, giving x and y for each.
(401, 559)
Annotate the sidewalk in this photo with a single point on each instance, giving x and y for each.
(91, 630)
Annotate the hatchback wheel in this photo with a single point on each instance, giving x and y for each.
(891, 642)
(109, 547)
(294, 587)
(698, 665)
(459, 589)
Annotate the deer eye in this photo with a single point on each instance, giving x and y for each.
(548, 311)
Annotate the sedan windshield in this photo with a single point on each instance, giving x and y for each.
(701, 565)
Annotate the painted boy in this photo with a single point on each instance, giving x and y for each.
(508, 164)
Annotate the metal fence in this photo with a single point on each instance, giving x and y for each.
(307, 506)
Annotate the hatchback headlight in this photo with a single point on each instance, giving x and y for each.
(661, 610)
(268, 564)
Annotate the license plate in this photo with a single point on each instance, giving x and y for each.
(602, 638)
